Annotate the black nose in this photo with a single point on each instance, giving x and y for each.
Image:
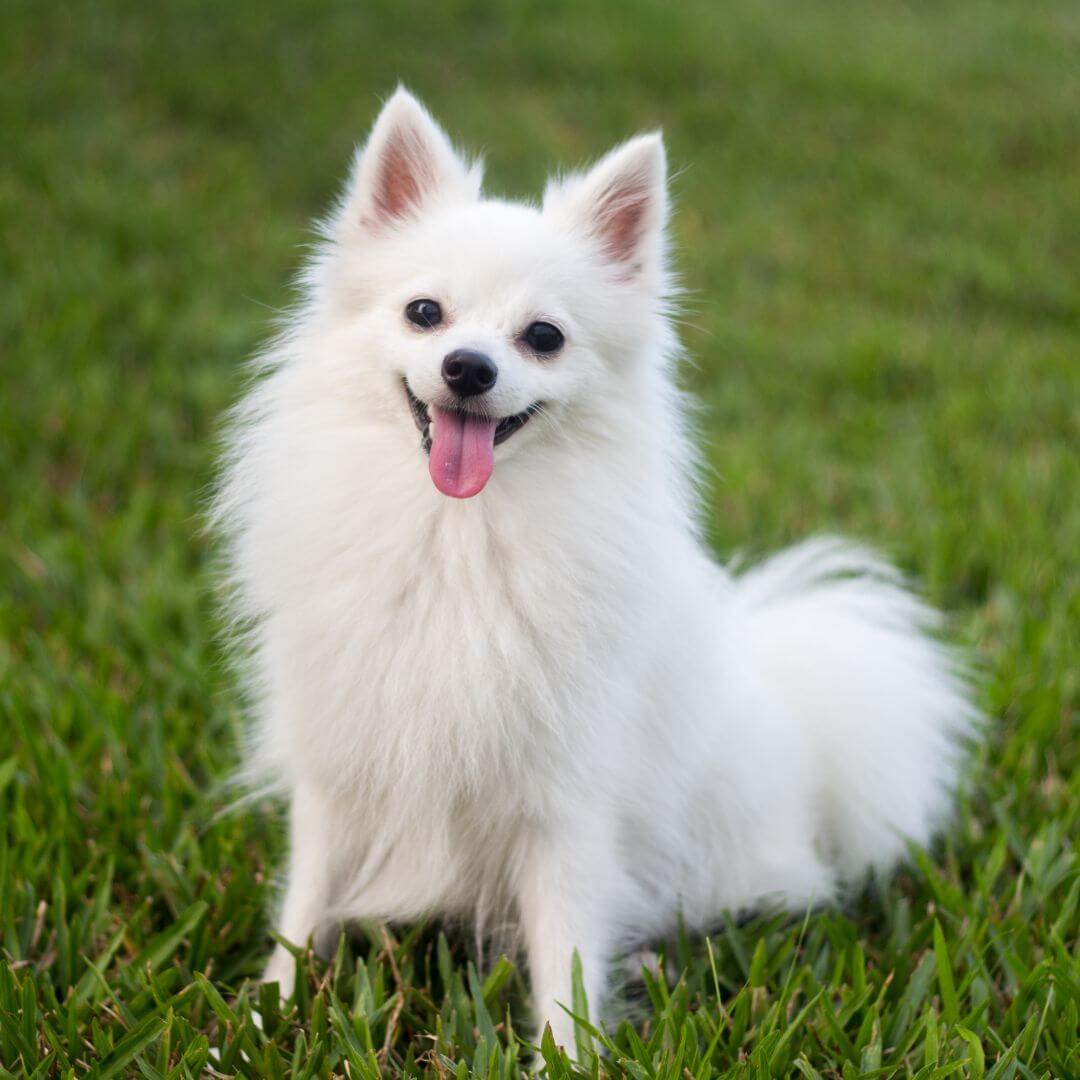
(468, 373)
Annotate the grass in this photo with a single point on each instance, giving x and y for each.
(877, 220)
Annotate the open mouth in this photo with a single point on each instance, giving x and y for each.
(460, 444)
(503, 429)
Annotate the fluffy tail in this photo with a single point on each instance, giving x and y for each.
(852, 655)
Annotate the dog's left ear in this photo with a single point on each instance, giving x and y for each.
(406, 166)
(620, 203)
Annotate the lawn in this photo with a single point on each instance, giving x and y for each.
(878, 226)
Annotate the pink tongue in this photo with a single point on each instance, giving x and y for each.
(462, 452)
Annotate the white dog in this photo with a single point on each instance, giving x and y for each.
(498, 674)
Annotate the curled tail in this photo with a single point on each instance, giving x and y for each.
(852, 655)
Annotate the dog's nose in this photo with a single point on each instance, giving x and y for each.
(468, 373)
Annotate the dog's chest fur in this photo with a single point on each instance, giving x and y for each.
(441, 651)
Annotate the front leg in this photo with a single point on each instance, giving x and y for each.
(568, 898)
(309, 890)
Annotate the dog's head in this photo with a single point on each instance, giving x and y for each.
(490, 321)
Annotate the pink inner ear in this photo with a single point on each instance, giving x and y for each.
(621, 217)
(404, 175)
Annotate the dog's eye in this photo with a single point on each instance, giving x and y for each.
(542, 337)
(423, 313)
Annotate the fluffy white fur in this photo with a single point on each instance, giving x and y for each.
(547, 704)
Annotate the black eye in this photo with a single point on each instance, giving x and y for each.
(542, 337)
(423, 313)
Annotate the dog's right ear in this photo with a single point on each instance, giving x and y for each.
(406, 166)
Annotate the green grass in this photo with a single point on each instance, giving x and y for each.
(878, 213)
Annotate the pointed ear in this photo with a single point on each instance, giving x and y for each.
(406, 165)
(621, 202)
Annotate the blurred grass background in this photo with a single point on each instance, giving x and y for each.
(878, 225)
